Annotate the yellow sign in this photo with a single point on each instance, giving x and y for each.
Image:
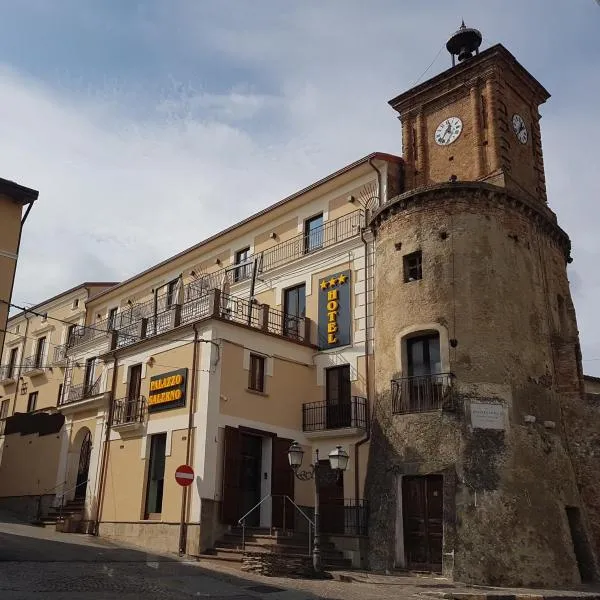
(167, 390)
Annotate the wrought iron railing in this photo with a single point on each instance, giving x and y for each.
(240, 310)
(7, 372)
(60, 353)
(81, 392)
(321, 416)
(32, 363)
(346, 516)
(196, 308)
(85, 333)
(129, 411)
(328, 234)
(422, 393)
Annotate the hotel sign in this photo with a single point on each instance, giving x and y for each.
(167, 390)
(334, 311)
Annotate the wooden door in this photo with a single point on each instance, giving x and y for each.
(331, 498)
(338, 397)
(230, 512)
(422, 509)
(133, 392)
(282, 484)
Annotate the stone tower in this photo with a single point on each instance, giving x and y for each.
(476, 349)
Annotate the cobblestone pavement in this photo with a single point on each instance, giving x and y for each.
(37, 563)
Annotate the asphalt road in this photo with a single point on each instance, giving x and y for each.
(41, 563)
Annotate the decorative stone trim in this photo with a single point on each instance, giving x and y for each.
(483, 193)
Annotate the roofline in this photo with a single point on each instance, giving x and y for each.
(591, 378)
(19, 193)
(85, 284)
(464, 66)
(365, 159)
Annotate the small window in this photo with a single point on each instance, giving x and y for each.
(32, 401)
(242, 258)
(70, 333)
(256, 380)
(75, 304)
(412, 267)
(12, 362)
(17, 328)
(171, 292)
(39, 352)
(484, 120)
(4, 408)
(313, 233)
(59, 396)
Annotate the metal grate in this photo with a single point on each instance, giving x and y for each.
(422, 393)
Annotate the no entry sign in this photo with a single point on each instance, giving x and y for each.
(184, 475)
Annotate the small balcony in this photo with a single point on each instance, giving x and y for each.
(85, 333)
(346, 418)
(8, 374)
(83, 391)
(33, 365)
(60, 356)
(423, 393)
(129, 413)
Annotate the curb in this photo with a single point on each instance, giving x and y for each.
(523, 596)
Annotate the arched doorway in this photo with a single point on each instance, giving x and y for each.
(84, 465)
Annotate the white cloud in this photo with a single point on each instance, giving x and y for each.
(129, 175)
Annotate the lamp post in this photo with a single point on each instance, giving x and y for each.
(338, 460)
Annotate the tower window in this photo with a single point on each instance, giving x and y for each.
(484, 119)
(413, 268)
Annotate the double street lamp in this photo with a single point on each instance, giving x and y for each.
(338, 461)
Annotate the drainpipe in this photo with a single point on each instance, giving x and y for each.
(188, 449)
(105, 449)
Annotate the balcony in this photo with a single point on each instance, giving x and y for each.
(423, 393)
(60, 355)
(33, 365)
(128, 413)
(346, 418)
(152, 318)
(85, 333)
(8, 374)
(83, 391)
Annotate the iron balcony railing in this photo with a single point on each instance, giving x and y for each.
(81, 392)
(328, 234)
(345, 516)
(321, 416)
(33, 363)
(422, 393)
(85, 333)
(7, 372)
(129, 410)
(60, 353)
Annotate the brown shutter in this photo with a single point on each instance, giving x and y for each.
(282, 484)
(230, 511)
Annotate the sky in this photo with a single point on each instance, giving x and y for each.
(150, 125)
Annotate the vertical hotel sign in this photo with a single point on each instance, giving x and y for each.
(334, 311)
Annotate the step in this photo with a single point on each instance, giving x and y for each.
(297, 540)
(328, 550)
(236, 557)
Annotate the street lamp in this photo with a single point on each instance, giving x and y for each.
(338, 461)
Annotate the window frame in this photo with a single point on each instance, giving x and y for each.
(112, 317)
(243, 272)
(171, 289)
(4, 403)
(292, 325)
(12, 364)
(407, 258)
(257, 379)
(32, 401)
(40, 351)
(309, 246)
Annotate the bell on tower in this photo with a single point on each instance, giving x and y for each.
(463, 43)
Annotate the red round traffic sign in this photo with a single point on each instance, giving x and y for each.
(184, 475)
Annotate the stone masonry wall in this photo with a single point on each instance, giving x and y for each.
(493, 271)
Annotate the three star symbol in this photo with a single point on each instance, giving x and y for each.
(340, 279)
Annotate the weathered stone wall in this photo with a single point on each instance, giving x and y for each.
(272, 564)
(493, 269)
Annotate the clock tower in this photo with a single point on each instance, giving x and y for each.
(476, 463)
(478, 121)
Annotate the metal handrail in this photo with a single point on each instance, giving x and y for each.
(62, 496)
(311, 523)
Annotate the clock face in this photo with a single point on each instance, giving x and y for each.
(448, 131)
(519, 128)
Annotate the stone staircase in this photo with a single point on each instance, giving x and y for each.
(230, 547)
(73, 508)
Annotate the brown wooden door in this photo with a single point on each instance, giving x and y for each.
(331, 499)
(133, 392)
(282, 484)
(338, 397)
(230, 512)
(422, 508)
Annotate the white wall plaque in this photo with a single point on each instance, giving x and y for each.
(486, 415)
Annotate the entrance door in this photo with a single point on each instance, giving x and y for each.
(250, 477)
(331, 498)
(337, 399)
(156, 476)
(282, 484)
(84, 466)
(422, 509)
